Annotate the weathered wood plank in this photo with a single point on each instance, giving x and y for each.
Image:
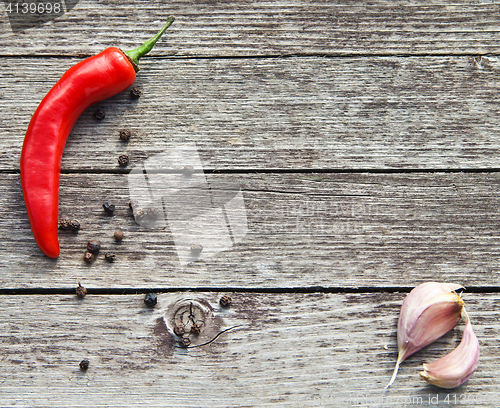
(432, 107)
(324, 350)
(287, 113)
(242, 28)
(332, 230)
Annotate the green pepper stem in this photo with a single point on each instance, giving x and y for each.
(138, 52)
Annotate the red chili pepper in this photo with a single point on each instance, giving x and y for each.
(88, 82)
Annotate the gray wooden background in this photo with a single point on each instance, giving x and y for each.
(364, 138)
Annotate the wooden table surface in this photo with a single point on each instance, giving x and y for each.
(343, 153)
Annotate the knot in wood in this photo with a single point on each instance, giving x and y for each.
(189, 316)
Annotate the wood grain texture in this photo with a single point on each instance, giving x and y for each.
(324, 350)
(314, 110)
(332, 230)
(291, 113)
(243, 28)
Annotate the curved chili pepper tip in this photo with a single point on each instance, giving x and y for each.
(138, 52)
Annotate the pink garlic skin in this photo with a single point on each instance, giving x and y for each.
(428, 312)
(415, 303)
(458, 366)
(428, 322)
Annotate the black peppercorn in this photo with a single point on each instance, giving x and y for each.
(118, 235)
(195, 329)
(135, 93)
(179, 330)
(99, 114)
(80, 290)
(184, 342)
(125, 134)
(196, 249)
(123, 160)
(88, 257)
(139, 214)
(64, 225)
(225, 301)
(109, 256)
(74, 225)
(93, 246)
(150, 299)
(109, 208)
(84, 364)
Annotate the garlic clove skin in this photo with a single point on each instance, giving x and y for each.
(439, 316)
(458, 366)
(415, 303)
(428, 312)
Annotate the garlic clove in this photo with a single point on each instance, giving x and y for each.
(458, 366)
(440, 315)
(416, 301)
(429, 311)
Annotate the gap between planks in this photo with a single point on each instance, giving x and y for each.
(256, 290)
